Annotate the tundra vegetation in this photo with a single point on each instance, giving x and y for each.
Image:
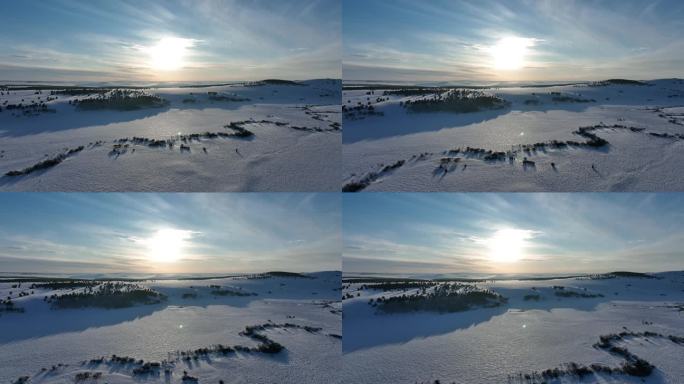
(632, 365)
(107, 295)
(436, 297)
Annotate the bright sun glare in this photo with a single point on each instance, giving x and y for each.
(169, 53)
(508, 245)
(166, 245)
(509, 53)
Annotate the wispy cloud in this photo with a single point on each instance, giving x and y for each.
(570, 40)
(483, 232)
(132, 232)
(228, 39)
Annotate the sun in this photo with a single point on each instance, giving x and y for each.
(509, 53)
(508, 245)
(169, 53)
(167, 245)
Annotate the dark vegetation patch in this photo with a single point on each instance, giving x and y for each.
(218, 291)
(360, 111)
(141, 370)
(632, 274)
(414, 92)
(8, 306)
(452, 160)
(80, 91)
(605, 83)
(570, 99)
(322, 116)
(215, 96)
(672, 118)
(46, 164)
(274, 82)
(107, 295)
(443, 298)
(289, 274)
(120, 100)
(361, 280)
(562, 292)
(399, 285)
(84, 376)
(365, 181)
(457, 101)
(21, 380)
(616, 274)
(34, 108)
(68, 284)
(632, 365)
(237, 128)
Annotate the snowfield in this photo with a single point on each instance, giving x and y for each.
(265, 136)
(242, 329)
(537, 139)
(561, 330)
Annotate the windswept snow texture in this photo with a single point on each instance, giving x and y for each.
(294, 146)
(540, 327)
(647, 158)
(193, 317)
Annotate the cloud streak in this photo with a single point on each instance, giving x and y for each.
(125, 232)
(571, 40)
(79, 40)
(479, 233)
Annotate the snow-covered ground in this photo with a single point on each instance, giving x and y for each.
(295, 144)
(501, 344)
(391, 149)
(57, 345)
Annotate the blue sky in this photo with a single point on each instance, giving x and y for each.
(542, 233)
(206, 233)
(96, 40)
(441, 40)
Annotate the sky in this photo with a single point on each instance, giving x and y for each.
(169, 233)
(512, 40)
(171, 40)
(512, 233)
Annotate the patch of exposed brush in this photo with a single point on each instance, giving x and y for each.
(47, 164)
(453, 157)
(360, 111)
(107, 295)
(215, 96)
(231, 292)
(532, 297)
(7, 305)
(561, 291)
(608, 82)
(457, 101)
(66, 284)
(86, 376)
(443, 298)
(121, 100)
(365, 181)
(274, 82)
(632, 365)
